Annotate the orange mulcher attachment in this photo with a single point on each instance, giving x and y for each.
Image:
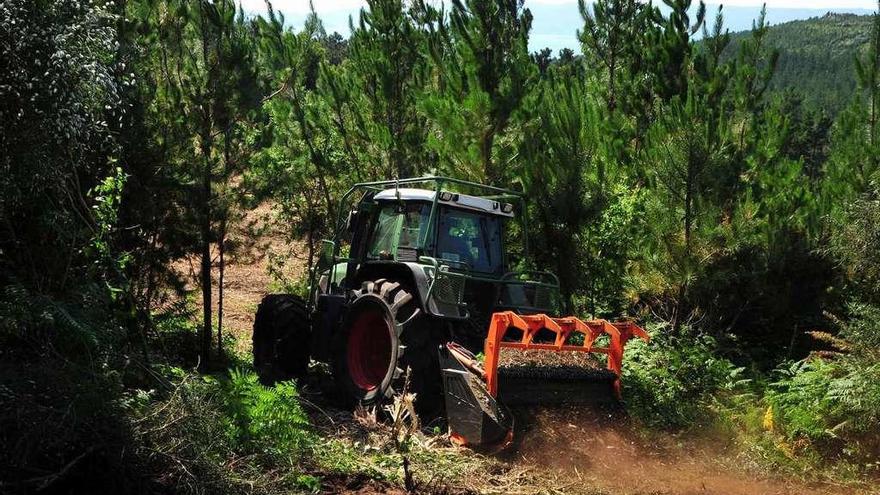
(475, 414)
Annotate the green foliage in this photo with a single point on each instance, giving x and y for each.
(800, 399)
(670, 382)
(830, 404)
(226, 434)
(856, 242)
(485, 74)
(664, 175)
(613, 35)
(816, 57)
(59, 94)
(266, 420)
(564, 168)
(383, 85)
(833, 403)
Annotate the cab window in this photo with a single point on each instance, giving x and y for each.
(470, 238)
(398, 225)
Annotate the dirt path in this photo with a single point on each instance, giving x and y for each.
(601, 450)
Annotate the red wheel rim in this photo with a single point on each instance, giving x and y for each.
(369, 350)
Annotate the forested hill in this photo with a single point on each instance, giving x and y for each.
(816, 56)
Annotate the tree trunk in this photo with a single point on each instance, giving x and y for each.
(206, 262)
(688, 227)
(222, 249)
(487, 140)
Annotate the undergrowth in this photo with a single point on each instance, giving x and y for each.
(814, 419)
(226, 434)
(671, 382)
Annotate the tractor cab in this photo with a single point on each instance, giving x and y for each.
(451, 248)
(464, 232)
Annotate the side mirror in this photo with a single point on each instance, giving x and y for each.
(325, 258)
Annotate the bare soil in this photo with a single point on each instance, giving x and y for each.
(601, 449)
(251, 244)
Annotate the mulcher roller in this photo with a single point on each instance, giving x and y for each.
(477, 394)
(552, 385)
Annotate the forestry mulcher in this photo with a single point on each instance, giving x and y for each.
(418, 277)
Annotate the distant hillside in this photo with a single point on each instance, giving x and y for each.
(816, 57)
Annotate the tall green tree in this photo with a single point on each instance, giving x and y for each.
(853, 163)
(614, 40)
(485, 73)
(381, 85)
(308, 123)
(559, 172)
(206, 88)
(670, 47)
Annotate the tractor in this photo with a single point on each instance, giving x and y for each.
(418, 280)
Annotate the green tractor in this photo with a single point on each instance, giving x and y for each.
(416, 278)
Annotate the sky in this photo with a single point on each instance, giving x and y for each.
(556, 21)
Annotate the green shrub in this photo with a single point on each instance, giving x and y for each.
(227, 435)
(833, 405)
(670, 382)
(799, 400)
(266, 420)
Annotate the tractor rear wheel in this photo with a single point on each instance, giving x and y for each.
(382, 335)
(282, 332)
(367, 347)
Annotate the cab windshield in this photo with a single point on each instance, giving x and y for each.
(399, 225)
(470, 238)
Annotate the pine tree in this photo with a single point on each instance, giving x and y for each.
(485, 66)
(854, 161)
(868, 75)
(669, 55)
(206, 86)
(613, 39)
(559, 168)
(308, 124)
(382, 83)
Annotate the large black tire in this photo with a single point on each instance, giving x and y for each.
(282, 333)
(367, 348)
(399, 336)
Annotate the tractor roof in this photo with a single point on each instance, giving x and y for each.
(485, 205)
